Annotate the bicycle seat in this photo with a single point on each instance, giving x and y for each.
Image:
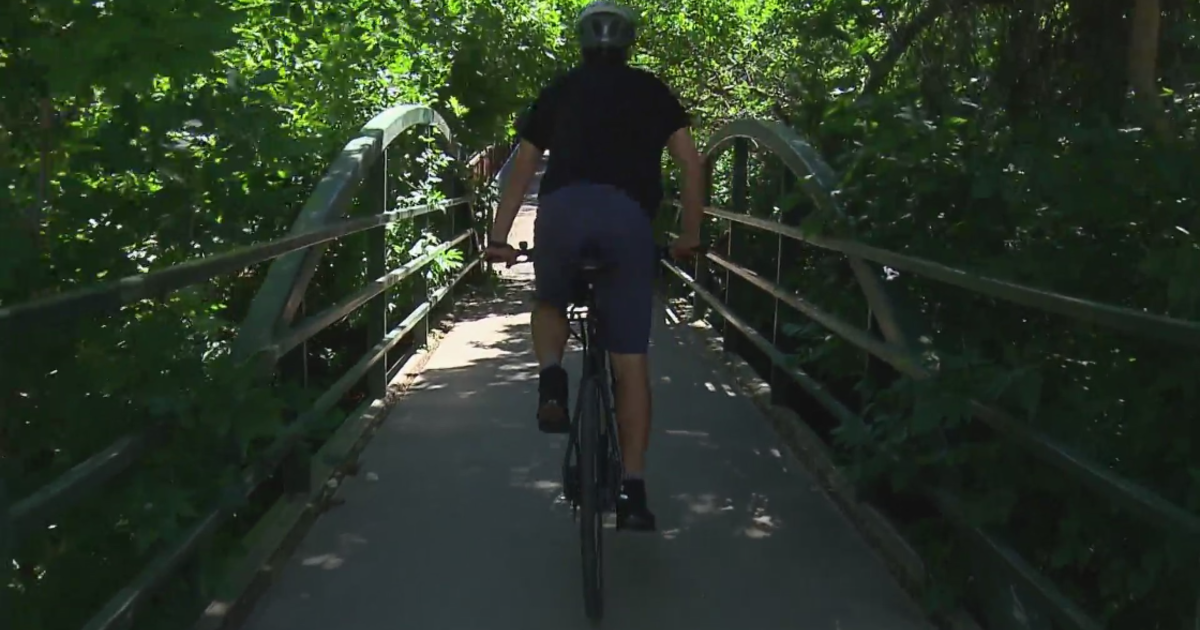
(590, 263)
(589, 268)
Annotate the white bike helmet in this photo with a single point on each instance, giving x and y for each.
(604, 24)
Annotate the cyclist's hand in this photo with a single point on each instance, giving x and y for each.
(685, 246)
(500, 253)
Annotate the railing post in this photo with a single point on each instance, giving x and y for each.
(741, 157)
(452, 191)
(421, 332)
(776, 374)
(472, 216)
(7, 551)
(295, 471)
(304, 348)
(487, 215)
(699, 306)
(377, 203)
(453, 223)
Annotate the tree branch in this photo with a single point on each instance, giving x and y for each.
(900, 43)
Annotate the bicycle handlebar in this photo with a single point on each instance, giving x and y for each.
(524, 254)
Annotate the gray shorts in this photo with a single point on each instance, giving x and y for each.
(601, 223)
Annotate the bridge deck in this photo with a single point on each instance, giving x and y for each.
(453, 521)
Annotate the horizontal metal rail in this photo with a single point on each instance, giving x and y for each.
(1142, 501)
(803, 379)
(818, 180)
(1116, 317)
(72, 486)
(295, 258)
(857, 336)
(316, 323)
(1139, 500)
(275, 452)
(1020, 569)
(112, 295)
(121, 608)
(1061, 608)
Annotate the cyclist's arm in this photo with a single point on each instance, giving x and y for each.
(687, 157)
(524, 166)
(534, 128)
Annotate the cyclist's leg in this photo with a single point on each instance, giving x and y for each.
(624, 296)
(557, 235)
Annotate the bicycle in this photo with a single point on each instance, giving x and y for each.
(593, 438)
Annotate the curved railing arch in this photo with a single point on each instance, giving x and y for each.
(819, 182)
(276, 302)
(1022, 584)
(813, 173)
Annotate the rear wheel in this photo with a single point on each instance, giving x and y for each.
(591, 516)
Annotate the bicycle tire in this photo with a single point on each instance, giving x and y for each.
(591, 514)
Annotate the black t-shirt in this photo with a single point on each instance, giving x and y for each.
(605, 124)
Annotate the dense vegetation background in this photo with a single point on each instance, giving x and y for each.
(1048, 142)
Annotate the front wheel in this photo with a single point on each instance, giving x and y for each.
(591, 521)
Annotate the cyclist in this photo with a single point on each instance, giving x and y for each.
(605, 125)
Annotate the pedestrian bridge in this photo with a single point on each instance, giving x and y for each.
(454, 518)
(434, 503)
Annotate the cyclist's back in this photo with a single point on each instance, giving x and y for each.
(606, 123)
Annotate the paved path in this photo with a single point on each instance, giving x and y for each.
(453, 522)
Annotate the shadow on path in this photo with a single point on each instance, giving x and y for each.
(454, 521)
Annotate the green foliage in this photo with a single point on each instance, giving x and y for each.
(993, 136)
(999, 141)
(137, 135)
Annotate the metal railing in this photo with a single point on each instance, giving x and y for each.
(896, 346)
(266, 334)
(488, 162)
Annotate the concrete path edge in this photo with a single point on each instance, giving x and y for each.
(285, 524)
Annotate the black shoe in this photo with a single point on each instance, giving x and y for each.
(632, 512)
(552, 400)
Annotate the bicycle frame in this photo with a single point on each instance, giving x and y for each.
(595, 366)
